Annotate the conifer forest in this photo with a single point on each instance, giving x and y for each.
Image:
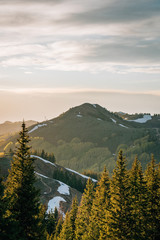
(124, 205)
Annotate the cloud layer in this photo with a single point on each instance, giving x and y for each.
(114, 36)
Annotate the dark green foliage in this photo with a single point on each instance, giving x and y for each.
(69, 178)
(23, 207)
(58, 227)
(120, 209)
(84, 211)
(153, 195)
(89, 143)
(98, 225)
(124, 207)
(68, 228)
(48, 156)
(51, 222)
(91, 174)
(2, 212)
(138, 202)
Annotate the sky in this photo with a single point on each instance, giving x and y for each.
(57, 54)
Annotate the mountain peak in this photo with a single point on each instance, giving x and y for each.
(86, 110)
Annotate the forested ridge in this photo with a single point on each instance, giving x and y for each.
(124, 205)
(88, 136)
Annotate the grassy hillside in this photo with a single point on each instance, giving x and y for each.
(89, 137)
(48, 175)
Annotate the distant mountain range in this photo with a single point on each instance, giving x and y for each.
(89, 136)
(13, 127)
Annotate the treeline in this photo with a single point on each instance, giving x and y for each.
(125, 206)
(48, 156)
(91, 174)
(70, 179)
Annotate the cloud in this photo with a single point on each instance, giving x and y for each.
(91, 55)
(68, 35)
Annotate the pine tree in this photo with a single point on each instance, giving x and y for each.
(153, 207)
(119, 214)
(97, 227)
(84, 211)
(138, 202)
(65, 232)
(68, 228)
(2, 212)
(58, 228)
(51, 221)
(22, 197)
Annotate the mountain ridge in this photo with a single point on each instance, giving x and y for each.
(89, 136)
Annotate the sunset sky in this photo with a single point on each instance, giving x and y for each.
(56, 54)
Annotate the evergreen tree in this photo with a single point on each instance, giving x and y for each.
(51, 221)
(68, 228)
(65, 232)
(2, 212)
(58, 228)
(22, 197)
(138, 202)
(153, 207)
(84, 211)
(119, 214)
(100, 209)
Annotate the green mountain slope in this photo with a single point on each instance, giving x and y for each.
(89, 137)
(52, 183)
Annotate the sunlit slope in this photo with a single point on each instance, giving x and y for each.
(89, 123)
(89, 136)
(12, 127)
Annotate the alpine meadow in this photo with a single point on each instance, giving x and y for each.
(79, 120)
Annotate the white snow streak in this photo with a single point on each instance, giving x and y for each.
(94, 180)
(44, 160)
(55, 202)
(94, 105)
(41, 175)
(113, 120)
(99, 119)
(142, 120)
(122, 125)
(63, 188)
(79, 115)
(36, 127)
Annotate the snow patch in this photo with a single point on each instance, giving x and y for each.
(113, 120)
(38, 126)
(55, 202)
(99, 119)
(94, 105)
(79, 115)
(94, 180)
(122, 125)
(63, 188)
(142, 120)
(44, 160)
(41, 175)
